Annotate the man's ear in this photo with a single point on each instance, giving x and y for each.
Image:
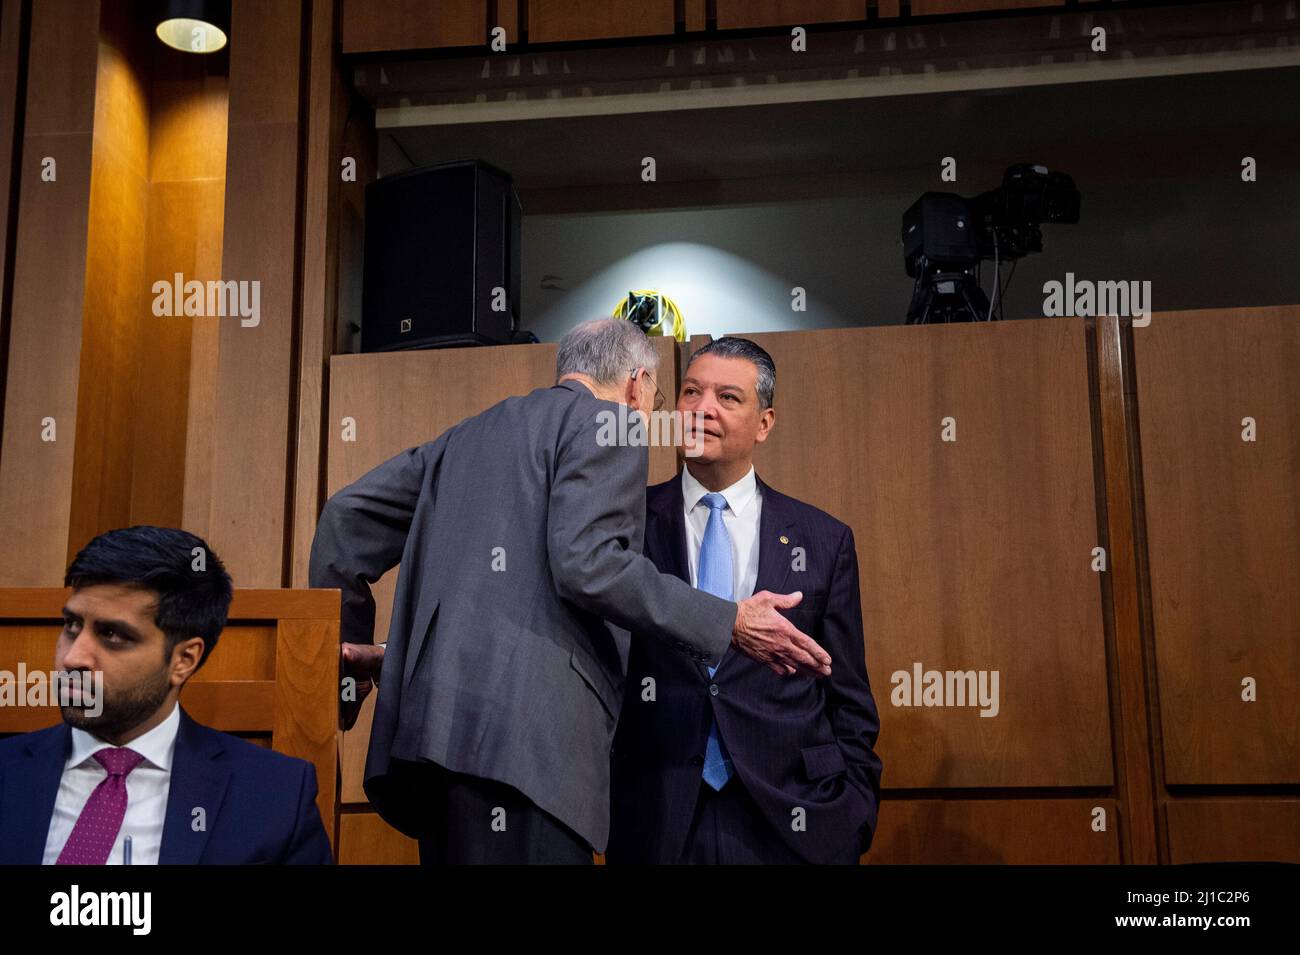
(766, 422)
(185, 659)
(630, 389)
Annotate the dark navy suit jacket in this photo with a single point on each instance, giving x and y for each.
(795, 742)
(260, 806)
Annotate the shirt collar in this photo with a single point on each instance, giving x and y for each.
(157, 746)
(738, 496)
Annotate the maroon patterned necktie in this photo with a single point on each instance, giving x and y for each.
(96, 829)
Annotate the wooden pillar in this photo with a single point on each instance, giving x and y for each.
(48, 291)
(238, 490)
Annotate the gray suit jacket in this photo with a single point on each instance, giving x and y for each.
(518, 537)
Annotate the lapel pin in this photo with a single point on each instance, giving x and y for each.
(784, 539)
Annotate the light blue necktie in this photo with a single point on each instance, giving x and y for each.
(714, 577)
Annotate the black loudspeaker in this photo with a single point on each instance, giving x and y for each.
(441, 258)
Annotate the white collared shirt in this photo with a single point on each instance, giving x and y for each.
(740, 518)
(146, 791)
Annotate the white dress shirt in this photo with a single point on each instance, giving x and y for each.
(146, 791)
(740, 518)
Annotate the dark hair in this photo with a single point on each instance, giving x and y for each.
(729, 346)
(191, 603)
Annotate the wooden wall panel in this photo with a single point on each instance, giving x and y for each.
(375, 26)
(29, 644)
(184, 235)
(1124, 589)
(973, 554)
(187, 184)
(129, 366)
(49, 281)
(307, 671)
(1223, 536)
(249, 478)
(63, 62)
(190, 135)
(13, 69)
(327, 114)
(551, 21)
(365, 839)
(748, 14)
(923, 8)
(378, 25)
(1233, 830)
(696, 13)
(115, 295)
(995, 832)
(402, 399)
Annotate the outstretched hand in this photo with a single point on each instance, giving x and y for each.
(766, 636)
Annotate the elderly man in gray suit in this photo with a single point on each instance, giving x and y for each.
(519, 535)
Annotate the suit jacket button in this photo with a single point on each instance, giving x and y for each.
(713, 689)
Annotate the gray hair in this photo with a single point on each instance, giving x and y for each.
(730, 346)
(606, 350)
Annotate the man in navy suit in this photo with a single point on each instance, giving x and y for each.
(129, 777)
(737, 764)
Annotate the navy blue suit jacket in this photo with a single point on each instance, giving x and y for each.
(260, 805)
(795, 742)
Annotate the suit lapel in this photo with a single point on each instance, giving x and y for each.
(198, 781)
(30, 789)
(667, 523)
(774, 523)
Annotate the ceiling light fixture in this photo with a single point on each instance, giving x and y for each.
(194, 26)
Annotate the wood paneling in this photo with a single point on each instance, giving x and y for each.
(184, 235)
(187, 123)
(974, 554)
(249, 480)
(243, 706)
(307, 674)
(378, 25)
(13, 68)
(29, 644)
(115, 290)
(327, 115)
(63, 62)
(995, 832)
(145, 204)
(551, 21)
(1234, 830)
(402, 399)
(696, 12)
(923, 8)
(49, 284)
(365, 839)
(188, 194)
(1223, 534)
(748, 14)
(1131, 695)
(247, 652)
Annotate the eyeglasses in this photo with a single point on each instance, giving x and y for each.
(659, 395)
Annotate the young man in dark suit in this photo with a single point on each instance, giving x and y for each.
(127, 772)
(736, 764)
